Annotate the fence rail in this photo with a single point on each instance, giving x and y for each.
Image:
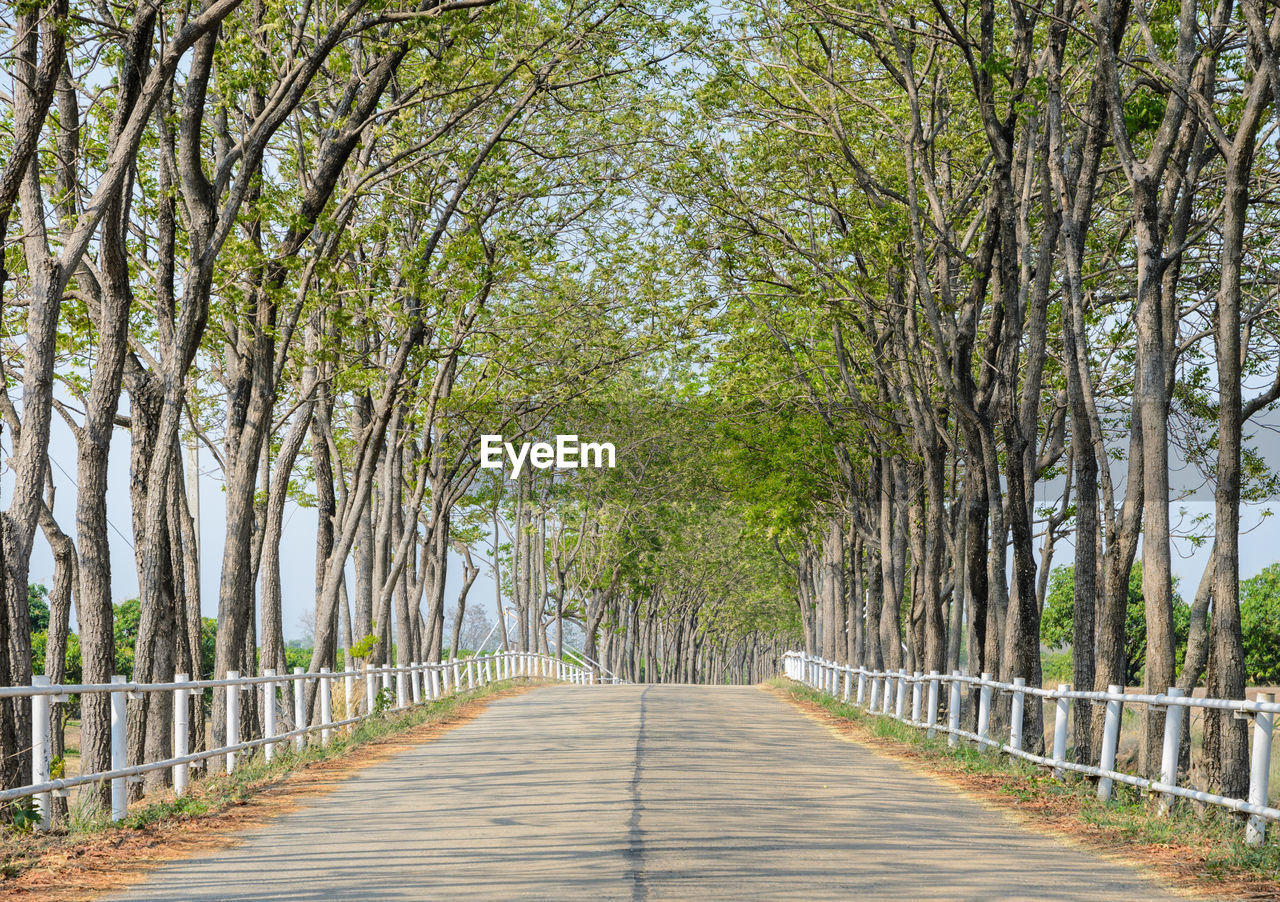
(885, 693)
(413, 685)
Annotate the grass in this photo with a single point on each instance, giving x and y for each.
(218, 792)
(1202, 846)
(221, 791)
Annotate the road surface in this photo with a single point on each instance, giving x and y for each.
(643, 792)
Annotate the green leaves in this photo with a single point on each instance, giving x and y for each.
(364, 646)
(1143, 112)
(1260, 624)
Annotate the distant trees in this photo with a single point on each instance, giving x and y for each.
(38, 605)
(474, 629)
(1057, 622)
(1260, 626)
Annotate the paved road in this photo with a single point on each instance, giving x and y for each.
(660, 792)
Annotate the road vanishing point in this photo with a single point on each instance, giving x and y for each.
(643, 792)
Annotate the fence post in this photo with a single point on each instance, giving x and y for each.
(402, 689)
(299, 709)
(181, 730)
(862, 685)
(984, 711)
(414, 686)
(1169, 754)
(386, 678)
(369, 691)
(953, 708)
(269, 714)
(119, 760)
(349, 698)
(1110, 737)
(1255, 830)
(932, 715)
(1060, 733)
(1015, 713)
(902, 694)
(875, 694)
(233, 717)
(917, 697)
(326, 706)
(41, 752)
(848, 685)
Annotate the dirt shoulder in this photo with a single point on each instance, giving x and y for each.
(81, 866)
(1199, 866)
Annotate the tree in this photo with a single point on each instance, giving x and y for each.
(38, 603)
(126, 619)
(1056, 625)
(476, 627)
(1260, 623)
(39, 643)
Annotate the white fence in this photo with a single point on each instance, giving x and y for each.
(413, 685)
(885, 693)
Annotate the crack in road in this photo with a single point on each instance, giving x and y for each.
(635, 834)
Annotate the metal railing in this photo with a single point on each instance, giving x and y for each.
(885, 693)
(606, 675)
(413, 685)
